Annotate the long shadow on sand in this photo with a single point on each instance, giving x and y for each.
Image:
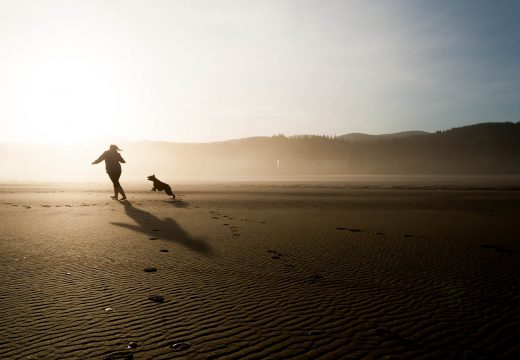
(165, 229)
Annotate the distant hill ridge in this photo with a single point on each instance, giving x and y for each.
(486, 148)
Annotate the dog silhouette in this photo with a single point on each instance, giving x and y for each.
(158, 185)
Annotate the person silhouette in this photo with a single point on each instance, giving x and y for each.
(112, 164)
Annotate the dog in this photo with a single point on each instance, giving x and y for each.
(160, 186)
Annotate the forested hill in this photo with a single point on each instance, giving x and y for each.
(488, 148)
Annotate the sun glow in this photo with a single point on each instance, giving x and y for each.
(64, 81)
(66, 103)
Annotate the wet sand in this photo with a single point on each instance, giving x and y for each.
(265, 270)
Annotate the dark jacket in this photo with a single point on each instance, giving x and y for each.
(112, 160)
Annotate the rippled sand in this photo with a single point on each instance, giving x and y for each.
(260, 270)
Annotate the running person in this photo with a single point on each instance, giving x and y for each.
(112, 164)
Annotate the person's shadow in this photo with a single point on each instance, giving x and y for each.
(165, 229)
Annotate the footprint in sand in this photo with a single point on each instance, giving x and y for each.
(154, 238)
(316, 278)
(150, 269)
(394, 336)
(164, 250)
(498, 248)
(119, 355)
(215, 217)
(275, 254)
(349, 229)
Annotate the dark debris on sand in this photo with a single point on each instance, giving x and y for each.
(156, 298)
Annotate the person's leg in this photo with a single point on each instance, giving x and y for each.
(122, 192)
(117, 186)
(114, 177)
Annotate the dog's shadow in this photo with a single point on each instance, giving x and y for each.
(165, 229)
(178, 203)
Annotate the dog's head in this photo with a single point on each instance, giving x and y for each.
(151, 177)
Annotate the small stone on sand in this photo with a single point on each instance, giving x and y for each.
(180, 346)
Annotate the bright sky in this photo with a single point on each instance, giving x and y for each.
(73, 71)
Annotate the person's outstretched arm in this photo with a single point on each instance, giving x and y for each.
(99, 159)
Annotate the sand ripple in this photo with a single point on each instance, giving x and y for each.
(305, 279)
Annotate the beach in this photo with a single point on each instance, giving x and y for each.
(261, 270)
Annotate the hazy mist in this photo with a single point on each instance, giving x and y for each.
(479, 149)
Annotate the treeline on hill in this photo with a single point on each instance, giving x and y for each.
(488, 148)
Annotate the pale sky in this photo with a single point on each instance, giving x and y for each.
(193, 71)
